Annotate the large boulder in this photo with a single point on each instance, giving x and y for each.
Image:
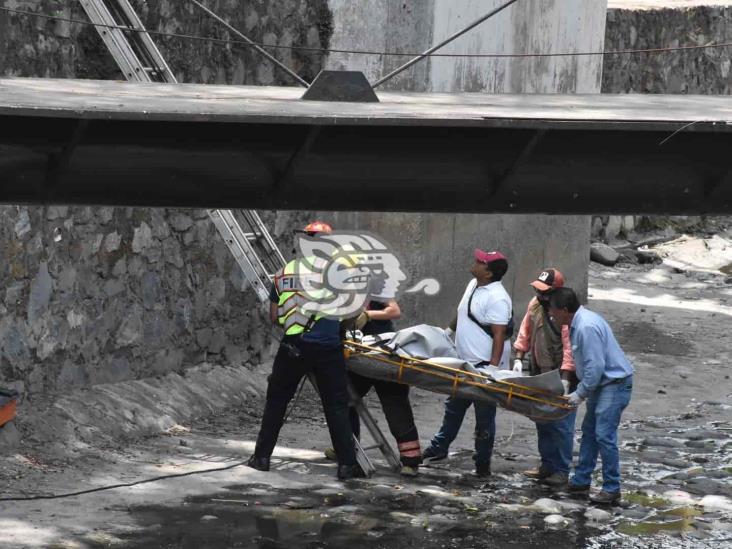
(603, 254)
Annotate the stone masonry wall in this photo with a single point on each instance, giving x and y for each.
(703, 71)
(94, 295)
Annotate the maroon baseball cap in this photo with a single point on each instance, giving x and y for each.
(488, 257)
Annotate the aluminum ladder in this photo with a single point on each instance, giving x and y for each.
(246, 236)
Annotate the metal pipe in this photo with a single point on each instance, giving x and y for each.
(246, 39)
(433, 49)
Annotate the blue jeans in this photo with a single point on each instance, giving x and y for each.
(555, 441)
(485, 428)
(600, 434)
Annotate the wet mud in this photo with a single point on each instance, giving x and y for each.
(671, 465)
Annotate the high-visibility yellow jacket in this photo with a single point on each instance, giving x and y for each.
(291, 299)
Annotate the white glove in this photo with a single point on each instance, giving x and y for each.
(449, 332)
(518, 366)
(565, 384)
(575, 399)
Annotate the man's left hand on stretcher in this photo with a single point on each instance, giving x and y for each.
(574, 399)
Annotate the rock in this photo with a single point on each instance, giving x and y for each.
(636, 513)
(597, 515)
(597, 227)
(40, 293)
(113, 287)
(705, 434)
(701, 444)
(151, 289)
(23, 224)
(206, 518)
(171, 252)
(112, 242)
(203, 337)
(72, 375)
(180, 222)
(716, 503)
(142, 239)
(549, 506)
(662, 442)
(648, 256)
(105, 214)
(66, 280)
(74, 319)
(9, 436)
(14, 293)
(706, 486)
(92, 245)
(675, 463)
(613, 227)
(603, 254)
(130, 330)
(679, 497)
(55, 212)
(120, 268)
(556, 521)
(14, 343)
(628, 224)
(218, 341)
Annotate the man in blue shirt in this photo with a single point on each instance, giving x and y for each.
(606, 383)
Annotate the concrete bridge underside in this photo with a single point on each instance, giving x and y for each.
(113, 143)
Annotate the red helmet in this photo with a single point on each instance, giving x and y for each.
(317, 227)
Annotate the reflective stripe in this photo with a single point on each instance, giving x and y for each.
(291, 301)
(409, 449)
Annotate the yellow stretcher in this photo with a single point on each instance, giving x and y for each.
(536, 397)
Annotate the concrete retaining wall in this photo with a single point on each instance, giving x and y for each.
(100, 295)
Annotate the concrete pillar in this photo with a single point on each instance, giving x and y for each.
(440, 246)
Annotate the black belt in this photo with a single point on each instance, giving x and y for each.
(617, 380)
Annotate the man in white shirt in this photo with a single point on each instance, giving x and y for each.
(483, 329)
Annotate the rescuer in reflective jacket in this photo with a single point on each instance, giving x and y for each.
(311, 343)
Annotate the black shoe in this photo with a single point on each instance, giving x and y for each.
(346, 472)
(258, 463)
(606, 498)
(431, 455)
(483, 469)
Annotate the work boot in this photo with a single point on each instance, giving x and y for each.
(538, 473)
(409, 471)
(578, 490)
(432, 454)
(556, 479)
(330, 454)
(258, 463)
(346, 472)
(606, 498)
(483, 469)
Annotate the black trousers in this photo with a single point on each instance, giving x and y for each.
(329, 367)
(394, 398)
